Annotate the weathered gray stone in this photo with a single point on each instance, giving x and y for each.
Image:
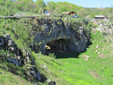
(13, 48)
(104, 27)
(62, 36)
(86, 58)
(27, 59)
(49, 82)
(11, 43)
(38, 76)
(18, 57)
(1, 41)
(13, 60)
(46, 67)
(7, 37)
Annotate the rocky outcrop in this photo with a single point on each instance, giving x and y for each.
(14, 55)
(49, 82)
(61, 35)
(105, 27)
(8, 44)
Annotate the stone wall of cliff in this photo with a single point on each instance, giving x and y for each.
(74, 32)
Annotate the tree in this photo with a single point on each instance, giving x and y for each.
(40, 11)
(40, 5)
(51, 6)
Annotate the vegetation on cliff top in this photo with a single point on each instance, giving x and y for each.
(28, 7)
(22, 30)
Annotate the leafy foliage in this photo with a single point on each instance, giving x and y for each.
(9, 7)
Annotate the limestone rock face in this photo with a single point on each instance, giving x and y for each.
(7, 43)
(18, 58)
(61, 36)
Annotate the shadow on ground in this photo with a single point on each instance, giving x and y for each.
(60, 55)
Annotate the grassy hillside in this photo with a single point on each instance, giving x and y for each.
(92, 67)
(75, 70)
(8, 77)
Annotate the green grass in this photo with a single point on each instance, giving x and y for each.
(68, 69)
(13, 75)
(7, 77)
(71, 69)
(97, 70)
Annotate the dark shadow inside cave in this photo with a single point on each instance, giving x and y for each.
(60, 48)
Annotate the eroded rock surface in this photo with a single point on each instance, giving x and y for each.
(15, 55)
(61, 35)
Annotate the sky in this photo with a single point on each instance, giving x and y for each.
(88, 3)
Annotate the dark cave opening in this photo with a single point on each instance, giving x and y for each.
(60, 45)
(60, 48)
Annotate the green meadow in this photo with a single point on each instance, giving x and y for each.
(73, 69)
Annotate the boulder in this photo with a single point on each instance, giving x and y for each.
(49, 82)
(7, 37)
(12, 49)
(13, 60)
(33, 72)
(38, 76)
(11, 43)
(46, 67)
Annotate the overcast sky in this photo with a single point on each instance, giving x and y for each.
(88, 3)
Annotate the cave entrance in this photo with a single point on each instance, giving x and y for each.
(60, 45)
(61, 48)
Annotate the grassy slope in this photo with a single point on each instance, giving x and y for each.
(97, 70)
(8, 78)
(13, 75)
(72, 71)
